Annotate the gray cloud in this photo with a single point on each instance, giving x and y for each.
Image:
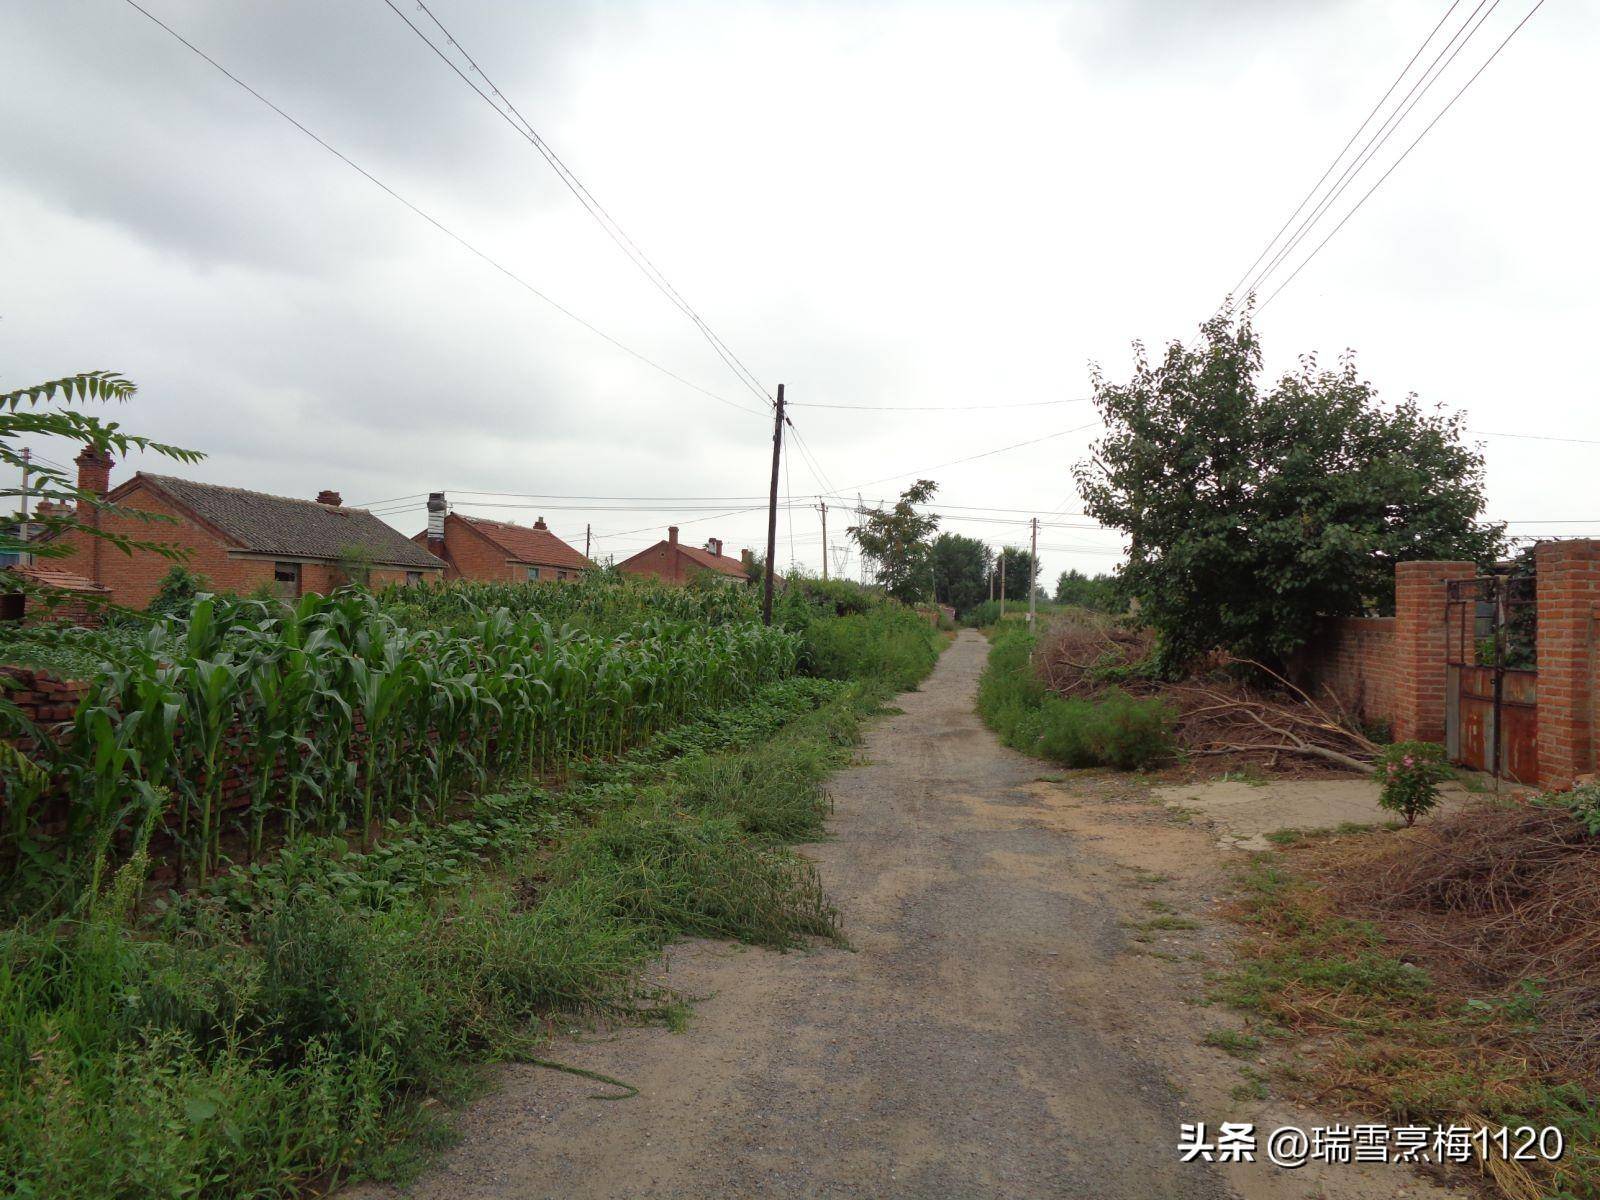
(894, 203)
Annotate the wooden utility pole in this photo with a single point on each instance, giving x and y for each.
(772, 508)
(824, 504)
(1002, 582)
(1033, 570)
(588, 535)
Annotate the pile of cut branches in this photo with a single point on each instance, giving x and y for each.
(1505, 896)
(1265, 721)
(1222, 716)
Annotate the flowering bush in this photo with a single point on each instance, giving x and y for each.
(1410, 774)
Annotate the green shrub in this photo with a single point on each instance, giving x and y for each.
(890, 645)
(176, 591)
(1409, 775)
(1113, 729)
(1584, 805)
(983, 615)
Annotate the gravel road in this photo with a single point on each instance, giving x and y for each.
(988, 1034)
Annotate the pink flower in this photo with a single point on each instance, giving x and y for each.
(1409, 761)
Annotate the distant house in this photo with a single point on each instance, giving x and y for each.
(56, 595)
(237, 539)
(477, 548)
(675, 562)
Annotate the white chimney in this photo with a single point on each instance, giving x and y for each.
(437, 508)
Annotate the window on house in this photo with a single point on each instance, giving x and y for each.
(533, 573)
(413, 578)
(286, 579)
(561, 575)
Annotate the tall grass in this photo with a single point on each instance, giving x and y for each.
(890, 645)
(279, 1028)
(1113, 729)
(275, 1028)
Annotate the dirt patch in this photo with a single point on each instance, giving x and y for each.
(1020, 1013)
(1242, 814)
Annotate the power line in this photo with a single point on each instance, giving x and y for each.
(1344, 150)
(576, 186)
(943, 407)
(1426, 129)
(1537, 437)
(1419, 88)
(971, 457)
(434, 221)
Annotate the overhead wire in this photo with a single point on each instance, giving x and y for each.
(1420, 87)
(938, 407)
(521, 125)
(1343, 150)
(434, 221)
(1404, 155)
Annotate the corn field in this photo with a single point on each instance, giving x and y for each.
(335, 715)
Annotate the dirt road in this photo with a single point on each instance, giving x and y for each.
(1001, 1028)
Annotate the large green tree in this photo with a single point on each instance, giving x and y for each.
(896, 543)
(960, 571)
(1254, 511)
(1019, 569)
(1096, 592)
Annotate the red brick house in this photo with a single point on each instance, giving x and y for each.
(237, 539)
(60, 596)
(477, 548)
(675, 562)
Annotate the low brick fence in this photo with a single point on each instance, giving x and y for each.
(1392, 670)
(1355, 659)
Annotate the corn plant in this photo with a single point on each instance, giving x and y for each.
(336, 714)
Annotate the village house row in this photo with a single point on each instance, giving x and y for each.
(241, 540)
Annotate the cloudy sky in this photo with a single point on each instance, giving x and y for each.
(880, 205)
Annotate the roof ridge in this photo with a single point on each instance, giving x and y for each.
(229, 487)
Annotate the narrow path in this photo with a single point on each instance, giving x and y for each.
(974, 1043)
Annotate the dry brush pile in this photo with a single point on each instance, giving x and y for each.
(1236, 712)
(1502, 898)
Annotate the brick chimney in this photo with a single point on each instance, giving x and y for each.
(539, 524)
(94, 478)
(437, 511)
(672, 535)
(330, 498)
(94, 471)
(714, 545)
(748, 559)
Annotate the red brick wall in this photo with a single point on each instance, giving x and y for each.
(1419, 608)
(1354, 657)
(132, 578)
(1568, 662)
(470, 555)
(43, 699)
(661, 561)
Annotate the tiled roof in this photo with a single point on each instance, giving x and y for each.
(65, 580)
(265, 524)
(720, 563)
(536, 546)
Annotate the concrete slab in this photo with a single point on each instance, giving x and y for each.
(1244, 813)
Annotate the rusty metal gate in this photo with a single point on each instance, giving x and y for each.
(1491, 687)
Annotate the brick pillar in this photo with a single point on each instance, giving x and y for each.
(1419, 611)
(1569, 667)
